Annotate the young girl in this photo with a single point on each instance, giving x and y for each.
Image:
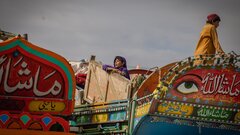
(120, 66)
(208, 42)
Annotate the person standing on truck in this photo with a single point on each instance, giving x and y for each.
(208, 42)
(120, 66)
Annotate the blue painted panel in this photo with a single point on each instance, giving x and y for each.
(146, 127)
(116, 116)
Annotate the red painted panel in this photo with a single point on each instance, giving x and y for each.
(23, 76)
(220, 85)
(35, 80)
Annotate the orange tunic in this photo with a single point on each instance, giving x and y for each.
(208, 42)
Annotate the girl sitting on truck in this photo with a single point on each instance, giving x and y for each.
(120, 66)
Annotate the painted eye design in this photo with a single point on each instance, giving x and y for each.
(187, 87)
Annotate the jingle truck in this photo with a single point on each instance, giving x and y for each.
(198, 95)
(36, 89)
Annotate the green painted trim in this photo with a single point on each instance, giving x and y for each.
(132, 115)
(46, 57)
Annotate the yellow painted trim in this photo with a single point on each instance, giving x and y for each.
(170, 108)
(142, 110)
(49, 106)
(100, 118)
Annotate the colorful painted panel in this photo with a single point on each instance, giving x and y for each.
(199, 112)
(178, 109)
(34, 79)
(209, 86)
(101, 113)
(118, 116)
(102, 117)
(27, 121)
(23, 76)
(142, 110)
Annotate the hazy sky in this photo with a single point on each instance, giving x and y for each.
(147, 32)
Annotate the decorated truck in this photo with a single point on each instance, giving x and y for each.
(37, 89)
(198, 95)
(194, 96)
(39, 95)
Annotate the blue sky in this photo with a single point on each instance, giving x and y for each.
(148, 33)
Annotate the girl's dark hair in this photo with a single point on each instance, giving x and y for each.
(119, 58)
(122, 59)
